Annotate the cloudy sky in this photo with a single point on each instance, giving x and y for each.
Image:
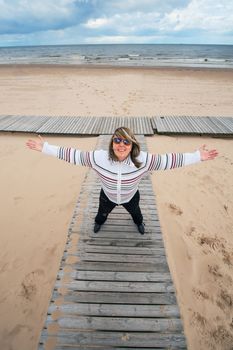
(45, 22)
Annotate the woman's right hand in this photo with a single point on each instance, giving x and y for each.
(36, 145)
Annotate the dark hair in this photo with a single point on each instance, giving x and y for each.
(127, 134)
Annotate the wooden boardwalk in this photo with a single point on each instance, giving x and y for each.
(74, 125)
(168, 125)
(215, 126)
(113, 289)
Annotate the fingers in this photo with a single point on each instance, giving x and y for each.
(31, 144)
(207, 154)
(212, 154)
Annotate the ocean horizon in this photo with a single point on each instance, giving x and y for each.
(122, 55)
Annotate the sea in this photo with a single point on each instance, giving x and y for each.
(122, 55)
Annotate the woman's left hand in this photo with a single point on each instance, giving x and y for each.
(207, 154)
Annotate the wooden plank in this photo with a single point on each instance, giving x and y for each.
(227, 123)
(83, 347)
(3, 117)
(116, 310)
(137, 242)
(117, 276)
(27, 124)
(219, 126)
(192, 125)
(120, 266)
(123, 235)
(118, 224)
(119, 257)
(133, 339)
(116, 297)
(116, 286)
(8, 120)
(102, 234)
(123, 250)
(126, 324)
(121, 209)
(200, 125)
(115, 218)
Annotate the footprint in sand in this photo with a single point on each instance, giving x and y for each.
(227, 257)
(212, 242)
(200, 294)
(29, 284)
(222, 337)
(214, 270)
(216, 244)
(225, 300)
(198, 320)
(175, 209)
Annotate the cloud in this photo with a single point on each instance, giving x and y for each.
(98, 23)
(205, 15)
(114, 21)
(25, 16)
(155, 20)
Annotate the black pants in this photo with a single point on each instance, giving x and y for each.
(106, 206)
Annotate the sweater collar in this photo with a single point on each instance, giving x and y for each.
(126, 161)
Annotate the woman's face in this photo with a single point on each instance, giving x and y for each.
(121, 147)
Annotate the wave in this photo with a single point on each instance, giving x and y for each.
(123, 55)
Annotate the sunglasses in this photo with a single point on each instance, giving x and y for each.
(118, 140)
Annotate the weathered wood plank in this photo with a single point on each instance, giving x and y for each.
(227, 123)
(117, 297)
(193, 125)
(120, 266)
(120, 257)
(117, 286)
(127, 324)
(128, 227)
(83, 347)
(122, 310)
(27, 124)
(117, 276)
(120, 235)
(114, 222)
(132, 339)
(138, 243)
(122, 250)
(8, 120)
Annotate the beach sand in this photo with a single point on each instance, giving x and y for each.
(38, 193)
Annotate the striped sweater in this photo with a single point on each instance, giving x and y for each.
(120, 180)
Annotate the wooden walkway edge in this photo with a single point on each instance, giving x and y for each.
(164, 125)
(114, 288)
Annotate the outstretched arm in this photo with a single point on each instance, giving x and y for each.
(176, 160)
(68, 154)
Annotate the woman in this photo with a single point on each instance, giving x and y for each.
(121, 169)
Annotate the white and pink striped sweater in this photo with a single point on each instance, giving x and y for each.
(120, 180)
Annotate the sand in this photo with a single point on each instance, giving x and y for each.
(38, 193)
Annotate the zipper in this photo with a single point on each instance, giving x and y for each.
(119, 183)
